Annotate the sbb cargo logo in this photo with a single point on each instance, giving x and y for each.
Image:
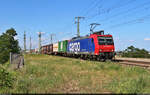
(74, 47)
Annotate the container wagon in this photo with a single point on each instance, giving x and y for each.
(55, 48)
(50, 49)
(44, 50)
(62, 47)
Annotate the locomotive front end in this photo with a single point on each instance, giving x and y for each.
(106, 46)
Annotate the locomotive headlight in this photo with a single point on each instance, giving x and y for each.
(100, 50)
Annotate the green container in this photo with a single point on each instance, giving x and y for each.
(62, 46)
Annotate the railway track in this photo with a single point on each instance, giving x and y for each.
(140, 63)
(134, 63)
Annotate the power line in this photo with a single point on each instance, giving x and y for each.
(65, 29)
(94, 5)
(127, 11)
(87, 7)
(108, 10)
(139, 20)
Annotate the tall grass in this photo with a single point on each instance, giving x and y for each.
(130, 85)
(53, 74)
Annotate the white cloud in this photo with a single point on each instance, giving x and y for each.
(131, 40)
(147, 39)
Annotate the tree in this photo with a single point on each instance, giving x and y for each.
(8, 44)
(135, 53)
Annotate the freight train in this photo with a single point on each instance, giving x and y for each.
(96, 46)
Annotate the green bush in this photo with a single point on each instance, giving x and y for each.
(6, 78)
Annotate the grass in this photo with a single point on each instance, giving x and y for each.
(53, 74)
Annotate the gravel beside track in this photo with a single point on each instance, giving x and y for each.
(134, 61)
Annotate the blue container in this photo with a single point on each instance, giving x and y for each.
(81, 46)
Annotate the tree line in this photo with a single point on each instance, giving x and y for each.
(8, 44)
(134, 52)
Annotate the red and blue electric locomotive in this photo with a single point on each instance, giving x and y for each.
(104, 45)
(95, 46)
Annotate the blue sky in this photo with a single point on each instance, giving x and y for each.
(126, 20)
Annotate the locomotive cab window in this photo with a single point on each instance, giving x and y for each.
(101, 40)
(109, 41)
(105, 41)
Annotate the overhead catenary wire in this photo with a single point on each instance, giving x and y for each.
(88, 12)
(109, 10)
(94, 6)
(138, 20)
(65, 28)
(96, 2)
(128, 11)
(90, 6)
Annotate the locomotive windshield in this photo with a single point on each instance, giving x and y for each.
(105, 41)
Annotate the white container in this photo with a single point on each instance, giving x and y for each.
(55, 47)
